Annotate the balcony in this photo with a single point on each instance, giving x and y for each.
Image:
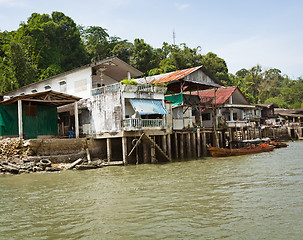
(138, 123)
(139, 88)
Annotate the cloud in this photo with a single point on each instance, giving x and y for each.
(12, 3)
(181, 7)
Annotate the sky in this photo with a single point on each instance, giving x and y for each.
(242, 32)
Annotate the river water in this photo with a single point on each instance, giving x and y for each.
(247, 197)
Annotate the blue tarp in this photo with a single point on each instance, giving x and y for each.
(147, 107)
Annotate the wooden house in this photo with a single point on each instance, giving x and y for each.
(227, 106)
(32, 115)
(191, 79)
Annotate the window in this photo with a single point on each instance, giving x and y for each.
(235, 116)
(62, 86)
(47, 87)
(30, 110)
(205, 116)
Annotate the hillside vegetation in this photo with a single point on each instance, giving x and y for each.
(47, 45)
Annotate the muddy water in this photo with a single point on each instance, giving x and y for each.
(247, 197)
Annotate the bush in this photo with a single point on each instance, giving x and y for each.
(129, 82)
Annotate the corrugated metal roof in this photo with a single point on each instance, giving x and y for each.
(177, 75)
(145, 107)
(222, 94)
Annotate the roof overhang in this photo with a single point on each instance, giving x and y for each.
(116, 68)
(178, 86)
(50, 98)
(238, 106)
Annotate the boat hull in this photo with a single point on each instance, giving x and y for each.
(226, 152)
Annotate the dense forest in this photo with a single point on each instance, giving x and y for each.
(47, 45)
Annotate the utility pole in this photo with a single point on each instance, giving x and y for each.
(174, 37)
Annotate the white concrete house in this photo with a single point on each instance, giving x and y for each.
(81, 81)
(120, 107)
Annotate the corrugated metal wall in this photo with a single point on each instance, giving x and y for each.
(43, 123)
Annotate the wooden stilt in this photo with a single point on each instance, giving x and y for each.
(204, 147)
(189, 147)
(194, 145)
(169, 146)
(146, 153)
(176, 146)
(108, 149)
(181, 145)
(124, 150)
(198, 143)
(153, 154)
(164, 144)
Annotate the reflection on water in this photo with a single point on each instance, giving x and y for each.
(246, 197)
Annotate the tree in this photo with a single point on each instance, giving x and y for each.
(123, 50)
(217, 66)
(52, 40)
(143, 56)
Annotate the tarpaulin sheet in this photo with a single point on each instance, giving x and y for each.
(147, 107)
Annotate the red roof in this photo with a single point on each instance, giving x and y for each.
(177, 75)
(222, 94)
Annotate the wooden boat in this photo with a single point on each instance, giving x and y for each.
(226, 152)
(278, 144)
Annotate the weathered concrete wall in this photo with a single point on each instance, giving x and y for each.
(106, 113)
(48, 147)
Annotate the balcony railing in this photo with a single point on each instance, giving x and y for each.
(106, 89)
(138, 123)
(139, 88)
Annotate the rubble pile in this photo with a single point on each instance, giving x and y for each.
(13, 148)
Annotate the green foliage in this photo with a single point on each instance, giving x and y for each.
(269, 87)
(129, 82)
(161, 84)
(47, 45)
(143, 56)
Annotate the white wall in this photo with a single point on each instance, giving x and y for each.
(78, 83)
(106, 113)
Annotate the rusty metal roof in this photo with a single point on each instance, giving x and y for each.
(219, 96)
(177, 75)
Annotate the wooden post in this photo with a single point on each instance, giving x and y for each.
(204, 147)
(176, 146)
(198, 143)
(194, 145)
(242, 133)
(76, 120)
(181, 146)
(124, 150)
(153, 154)
(20, 122)
(164, 144)
(109, 149)
(169, 146)
(189, 149)
(145, 153)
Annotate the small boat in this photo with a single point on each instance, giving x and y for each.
(226, 152)
(278, 144)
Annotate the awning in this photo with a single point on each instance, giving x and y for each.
(145, 107)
